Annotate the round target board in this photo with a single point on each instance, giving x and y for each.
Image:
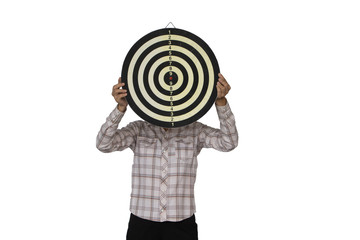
(170, 76)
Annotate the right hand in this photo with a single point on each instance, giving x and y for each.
(119, 95)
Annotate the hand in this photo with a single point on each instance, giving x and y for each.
(223, 89)
(119, 95)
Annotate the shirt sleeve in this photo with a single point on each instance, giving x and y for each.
(110, 138)
(224, 139)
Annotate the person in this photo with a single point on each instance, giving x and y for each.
(162, 203)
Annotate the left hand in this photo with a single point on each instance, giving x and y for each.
(223, 89)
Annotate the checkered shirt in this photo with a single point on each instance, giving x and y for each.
(165, 162)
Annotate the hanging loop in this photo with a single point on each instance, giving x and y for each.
(171, 24)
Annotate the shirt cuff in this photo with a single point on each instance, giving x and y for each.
(116, 115)
(224, 111)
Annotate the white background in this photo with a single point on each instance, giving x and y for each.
(294, 71)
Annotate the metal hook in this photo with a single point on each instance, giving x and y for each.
(169, 24)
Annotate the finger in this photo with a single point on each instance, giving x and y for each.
(120, 96)
(222, 79)
(221, 90)
(220, 85)
(116, 86)
(227, 88)
(225, 84)
(117, 91)
(119, 85)
(221, 93)
(218, 92)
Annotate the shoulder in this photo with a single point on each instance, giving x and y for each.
(194, 128)
(198, 125)
(136, 124)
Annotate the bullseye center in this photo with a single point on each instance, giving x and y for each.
(170, 79)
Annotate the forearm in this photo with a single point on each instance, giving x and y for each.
(223, 139)
(110, 138)
(229, 134)
(107, 134)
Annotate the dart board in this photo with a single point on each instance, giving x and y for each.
(170, 75)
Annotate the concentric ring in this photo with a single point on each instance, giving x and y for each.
(171, 76)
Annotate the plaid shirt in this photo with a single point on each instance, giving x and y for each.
(165, 162)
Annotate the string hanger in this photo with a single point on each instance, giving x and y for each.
(171, 24)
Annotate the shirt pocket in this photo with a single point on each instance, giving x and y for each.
(184, 149)
(146, 147)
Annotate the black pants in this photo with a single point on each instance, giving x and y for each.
(142, 229)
